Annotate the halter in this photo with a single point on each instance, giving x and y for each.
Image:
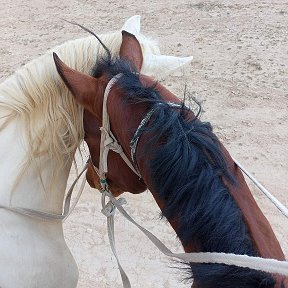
(109, 142)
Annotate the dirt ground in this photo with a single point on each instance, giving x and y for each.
(240, 75)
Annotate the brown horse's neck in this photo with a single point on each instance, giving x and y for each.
(263, 238)
(260, 231)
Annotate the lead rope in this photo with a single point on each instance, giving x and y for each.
(245, 261)
(269, 195)
(108, 209)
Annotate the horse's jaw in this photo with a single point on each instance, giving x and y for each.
(33, 252)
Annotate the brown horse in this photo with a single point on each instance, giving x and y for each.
(192, 177)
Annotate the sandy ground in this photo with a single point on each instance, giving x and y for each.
(239, 73)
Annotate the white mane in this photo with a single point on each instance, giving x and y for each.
(38, 98)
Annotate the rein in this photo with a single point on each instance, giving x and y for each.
(272, 198)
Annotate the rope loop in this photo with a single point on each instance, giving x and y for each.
(109, 209)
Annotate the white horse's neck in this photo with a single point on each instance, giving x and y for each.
(40, 129)
(35, 249)
(33, 188)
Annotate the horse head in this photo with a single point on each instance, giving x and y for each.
(192, 177)
(88, 92)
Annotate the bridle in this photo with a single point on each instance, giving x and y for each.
(109, 142)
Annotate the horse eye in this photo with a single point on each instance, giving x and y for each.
(97, 74)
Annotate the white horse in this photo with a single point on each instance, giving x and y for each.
(40, 130)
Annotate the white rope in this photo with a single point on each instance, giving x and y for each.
(108, 140)
(78, 195)
(267, 265)
(273, 199)
(109, 211)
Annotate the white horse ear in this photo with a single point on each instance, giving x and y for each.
(162, 65)
(132, 25)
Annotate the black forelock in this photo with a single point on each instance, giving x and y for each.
(135, 91)
(112, 66)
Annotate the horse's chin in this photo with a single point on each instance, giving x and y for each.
(94, 182)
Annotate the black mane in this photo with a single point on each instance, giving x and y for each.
(187, 170)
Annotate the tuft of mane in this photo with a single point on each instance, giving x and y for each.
(188, 170)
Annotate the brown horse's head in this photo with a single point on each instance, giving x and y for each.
(88, 92)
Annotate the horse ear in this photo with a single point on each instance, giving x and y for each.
(131, 50)
(132, 25)
(82, 86)
(162, 65)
